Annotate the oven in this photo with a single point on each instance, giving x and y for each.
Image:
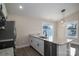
(7, 47)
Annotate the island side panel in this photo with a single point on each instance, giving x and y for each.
(63, 49)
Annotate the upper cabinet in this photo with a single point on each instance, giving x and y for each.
(3, 8)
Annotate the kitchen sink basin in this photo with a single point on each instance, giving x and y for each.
(43, 37)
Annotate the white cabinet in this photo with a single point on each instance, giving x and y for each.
(37, 44)
(34, 43)
(7, 52)
(57, 49)
(63, 50)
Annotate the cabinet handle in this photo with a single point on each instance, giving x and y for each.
(38, 44)
(31, 41)
(1, 6)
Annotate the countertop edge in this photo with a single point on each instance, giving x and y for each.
(50, 41)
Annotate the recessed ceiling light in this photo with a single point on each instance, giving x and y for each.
(20, 7)
(61, 21)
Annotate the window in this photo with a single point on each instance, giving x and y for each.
(48, 31)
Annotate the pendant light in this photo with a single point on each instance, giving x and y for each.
(62, 11)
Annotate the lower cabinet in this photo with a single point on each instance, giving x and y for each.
(47, 48)
(53, 49)
(50, 49)
(38, 44)
(63, 49)
(7, 52)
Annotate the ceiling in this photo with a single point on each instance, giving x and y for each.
(48, 11)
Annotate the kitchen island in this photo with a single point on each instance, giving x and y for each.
(50, 48)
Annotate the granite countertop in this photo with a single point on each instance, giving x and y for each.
(76, 41)
(59, 42)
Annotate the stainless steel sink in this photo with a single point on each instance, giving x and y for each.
(43, 37)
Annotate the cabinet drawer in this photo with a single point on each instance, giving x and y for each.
(6, 44)
(7, 52)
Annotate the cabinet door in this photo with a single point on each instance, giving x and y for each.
(7, 52)
(46, 48)
(54, 49)
(62, 50)
(50, 49)
(34, 43)
(40, 46)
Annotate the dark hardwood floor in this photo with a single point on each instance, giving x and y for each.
(26, 51)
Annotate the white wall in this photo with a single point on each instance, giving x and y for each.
(30, 25)
(61, 27)
(26, 26)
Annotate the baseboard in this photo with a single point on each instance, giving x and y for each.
(22, 46)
